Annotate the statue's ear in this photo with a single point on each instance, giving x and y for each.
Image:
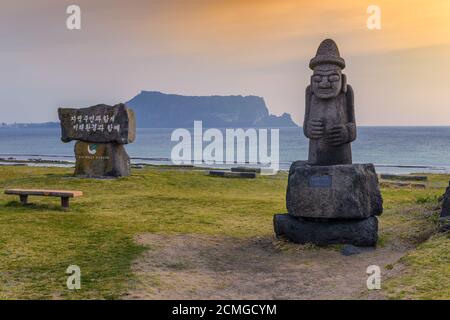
(344, 83)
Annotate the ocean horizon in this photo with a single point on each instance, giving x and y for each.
(393, 149)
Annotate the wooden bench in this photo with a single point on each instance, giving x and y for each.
(63, 194)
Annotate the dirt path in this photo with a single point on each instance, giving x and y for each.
(206, 267)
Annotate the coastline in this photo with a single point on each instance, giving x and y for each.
(397, 150)
(65, 161)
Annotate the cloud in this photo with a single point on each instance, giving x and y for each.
(203, 47)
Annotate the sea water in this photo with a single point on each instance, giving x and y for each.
(391, 149)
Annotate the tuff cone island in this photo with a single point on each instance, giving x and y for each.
(101, 131)
(329, 199)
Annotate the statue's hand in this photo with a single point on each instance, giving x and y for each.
(316, 128)
(337, 135)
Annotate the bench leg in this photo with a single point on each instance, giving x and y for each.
(65, 202)
(23, 198)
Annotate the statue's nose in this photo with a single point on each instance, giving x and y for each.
(324, 83)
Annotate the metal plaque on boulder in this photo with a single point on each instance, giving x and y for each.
(320, 182)
(100, 124)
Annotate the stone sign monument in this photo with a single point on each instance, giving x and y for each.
(329, 199)
(101, 132)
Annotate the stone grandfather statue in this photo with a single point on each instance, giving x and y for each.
(329, 109)
(329, 199)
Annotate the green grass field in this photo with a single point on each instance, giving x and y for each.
(38, 242)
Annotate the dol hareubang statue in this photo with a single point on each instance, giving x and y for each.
(329, 109)
(330, 200)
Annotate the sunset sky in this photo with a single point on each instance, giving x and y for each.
(400, 74)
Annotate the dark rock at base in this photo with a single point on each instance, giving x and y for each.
(98, 160)
(444, 224)
(333, 192)
(349, 250)
(403, 177)
(245, 169)
(408, 185)
(98, 124)
(446, 204)
(363, 232)
(227, 174)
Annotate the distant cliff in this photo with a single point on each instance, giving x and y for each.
(159, 110)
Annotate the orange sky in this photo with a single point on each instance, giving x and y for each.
(284, 27)
(401, 73)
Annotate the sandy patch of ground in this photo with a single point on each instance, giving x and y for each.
(211, 267)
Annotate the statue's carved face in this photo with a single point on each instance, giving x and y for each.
(326, 84)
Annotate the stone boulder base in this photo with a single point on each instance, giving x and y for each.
(97, 160)
(333, 192)
(363, 233)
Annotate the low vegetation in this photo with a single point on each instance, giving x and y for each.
(39, 241)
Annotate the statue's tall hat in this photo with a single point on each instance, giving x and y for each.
(328, 53)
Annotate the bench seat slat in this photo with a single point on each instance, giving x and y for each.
(48, 193)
